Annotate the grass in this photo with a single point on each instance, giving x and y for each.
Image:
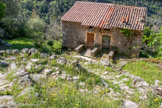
(20, 43)
(146, 70)
(59, 93)
(63, 94)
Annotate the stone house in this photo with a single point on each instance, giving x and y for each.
(104, 25)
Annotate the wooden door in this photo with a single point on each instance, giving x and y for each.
(90, 39)
(106, 41)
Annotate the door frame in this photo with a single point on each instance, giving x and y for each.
(87, 37)
(107, 36)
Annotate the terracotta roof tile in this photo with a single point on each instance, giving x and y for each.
(105, 15)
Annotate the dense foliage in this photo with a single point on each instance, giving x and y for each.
(2, 8)
(152, 43)
(49, 10)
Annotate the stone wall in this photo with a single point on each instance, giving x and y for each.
(75, 34)
(129, 45)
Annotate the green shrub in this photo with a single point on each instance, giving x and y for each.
(126, 32)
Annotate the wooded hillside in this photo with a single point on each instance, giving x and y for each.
(50, 10)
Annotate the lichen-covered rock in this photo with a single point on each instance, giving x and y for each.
(26, 78)
(53, 57)
(3, 63)
(63, 76)
(27, 90)
(82, 84)
(33, 51)
(21, 73)
(25, 50)
(11, 58)
(75, 77)
(13, 66)
(6, 86)
(14, 51)
(34, 60)
(47, 71)
(61, 61)
(7, 102)
(8, 51)
(157, 82)
(2, 52)
(44, 55)
(75, 62)
(29, 66)
(38, 77)
(157, 90)
(106, 63)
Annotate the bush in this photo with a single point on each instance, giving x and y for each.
(151, 44)
(15, 27)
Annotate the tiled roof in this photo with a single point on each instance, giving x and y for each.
(105, 15)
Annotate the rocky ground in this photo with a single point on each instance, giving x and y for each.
(26, 67)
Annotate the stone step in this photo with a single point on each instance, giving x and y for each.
(88, 53)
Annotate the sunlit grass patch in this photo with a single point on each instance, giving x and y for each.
(20, 43)
(146, 70)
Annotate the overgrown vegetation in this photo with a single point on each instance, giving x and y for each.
(126, 32)
(152, 43)
(146, 70)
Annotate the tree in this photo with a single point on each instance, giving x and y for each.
(12, 7)
(2, 9)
